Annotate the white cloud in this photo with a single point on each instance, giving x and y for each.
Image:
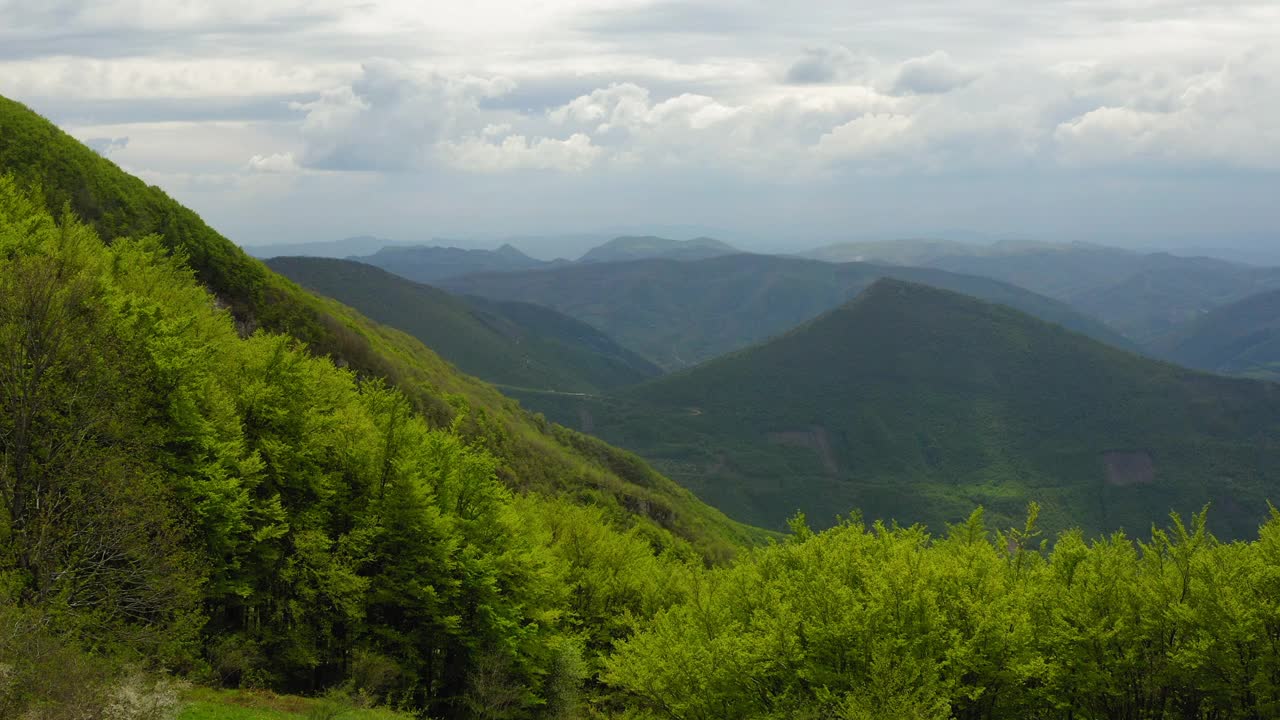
(150, 78)
(1213, 119)
(628, 99)
(516, 152)
(279, 163)
(932, 74)
(868, 136)
(825, 65)
(392, 116)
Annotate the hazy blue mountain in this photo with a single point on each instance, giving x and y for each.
(429, 264)
(678, 313)
(1144, 295)
(362, 245)
(625, 248)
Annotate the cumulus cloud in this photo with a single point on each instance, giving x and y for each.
(516, 152)
(932, 74)
(867, 136)
(731, 96)
(277, 163)
(1217, 118)
(823, 65)
(391, 117)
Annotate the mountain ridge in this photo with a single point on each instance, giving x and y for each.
(911, 402)
(678, 314)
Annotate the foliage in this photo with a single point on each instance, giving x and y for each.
(182, 497)
(50, 165)
(890, 622)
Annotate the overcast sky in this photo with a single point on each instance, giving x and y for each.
(773, 123)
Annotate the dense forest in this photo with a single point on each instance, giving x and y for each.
(208, 476)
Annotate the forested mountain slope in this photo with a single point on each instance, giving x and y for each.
(915, 404)
(1242, 338)
(678, 314)
(532, 455)
(517, 344)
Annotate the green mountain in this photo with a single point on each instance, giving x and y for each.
(678, 314)
(1145, 296)
(509, 343)
(622, 249)
(1242, 338)
(916, 404)
(430, 265)
(533, 456)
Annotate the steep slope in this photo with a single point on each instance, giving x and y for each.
(533, 456)
(625, 248)
(678, 314)
(915, 404)
(425, 264)
(516, 344)
(1242, 338)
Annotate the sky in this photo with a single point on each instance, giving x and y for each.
(776, 125)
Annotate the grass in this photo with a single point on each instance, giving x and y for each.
(211, 704)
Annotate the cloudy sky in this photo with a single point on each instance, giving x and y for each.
(772, 123)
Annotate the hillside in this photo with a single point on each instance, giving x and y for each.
(1242, 338)
(508, 343)
(430, 265)
(678, 314)
(622, 249)
(916, 404)
(533, 456)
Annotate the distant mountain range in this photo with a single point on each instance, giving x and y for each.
(678, 314)
(425, 264)
(915, 404)
(647, 247)
(362, 245)
(509, 343)
(1145, 296)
